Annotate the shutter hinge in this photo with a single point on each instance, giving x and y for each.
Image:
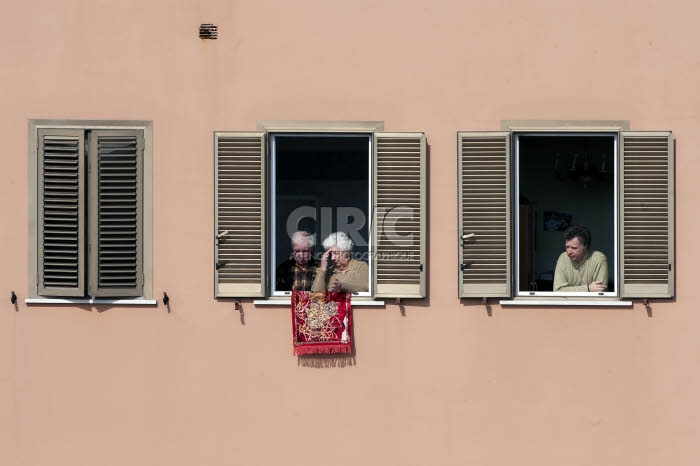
(669, 267)
(464, 266)
(420, 267)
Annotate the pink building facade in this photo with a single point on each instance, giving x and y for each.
(465, 357)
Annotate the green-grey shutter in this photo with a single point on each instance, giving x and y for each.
(239, 214)
(61, 216)
(484, 185)
(647, 215)
(399, 230)
(116, 213)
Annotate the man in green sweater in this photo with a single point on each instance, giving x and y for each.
(580, 269)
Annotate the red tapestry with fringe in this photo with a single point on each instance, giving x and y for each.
(321, 322)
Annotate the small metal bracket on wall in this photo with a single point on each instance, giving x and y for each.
(237, 306)
(13, 298)
(485, 302)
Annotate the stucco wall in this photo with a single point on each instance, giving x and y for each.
(436, 381)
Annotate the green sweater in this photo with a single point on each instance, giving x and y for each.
(573, 276)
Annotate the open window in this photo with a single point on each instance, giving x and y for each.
(520, 188)
(322, 178)
(562, 179)
(319, 183)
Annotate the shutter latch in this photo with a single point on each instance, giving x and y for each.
(221, 235)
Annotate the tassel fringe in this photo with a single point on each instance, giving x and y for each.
(322, 349)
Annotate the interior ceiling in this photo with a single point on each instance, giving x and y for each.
(317, 157)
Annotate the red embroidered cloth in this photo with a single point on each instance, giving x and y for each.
(321, 322)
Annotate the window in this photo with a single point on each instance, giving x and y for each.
(561, 179)
(322, 177)
(519, 188)
(319, 182)
(89, 211)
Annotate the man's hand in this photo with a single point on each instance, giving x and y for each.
(597, 286)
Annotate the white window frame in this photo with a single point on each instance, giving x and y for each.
(516, 231)
(272, 191)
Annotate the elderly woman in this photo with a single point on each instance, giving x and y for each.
(345, 274)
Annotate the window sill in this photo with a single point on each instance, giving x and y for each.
(127, 302)
(594, 302)
(287, 302)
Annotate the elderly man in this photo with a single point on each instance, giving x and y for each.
(298, 274)
(578, 268)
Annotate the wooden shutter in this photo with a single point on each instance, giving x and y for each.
(116, 213)
(484, 214)
(399, 229)
(61, 216)
(240, 268)
(647, 215)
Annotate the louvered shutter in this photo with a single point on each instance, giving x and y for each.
(647, 215)
(484, 214)
(399, 229)
(116, 213)
(240, 214)
(61, 216)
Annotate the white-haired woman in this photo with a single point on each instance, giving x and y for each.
(345, 273)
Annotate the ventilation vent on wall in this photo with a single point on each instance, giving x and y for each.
(208, 31)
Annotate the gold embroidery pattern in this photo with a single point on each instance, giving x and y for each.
(316, 323)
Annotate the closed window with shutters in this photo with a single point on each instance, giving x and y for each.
(88, 211)
(520, 189)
